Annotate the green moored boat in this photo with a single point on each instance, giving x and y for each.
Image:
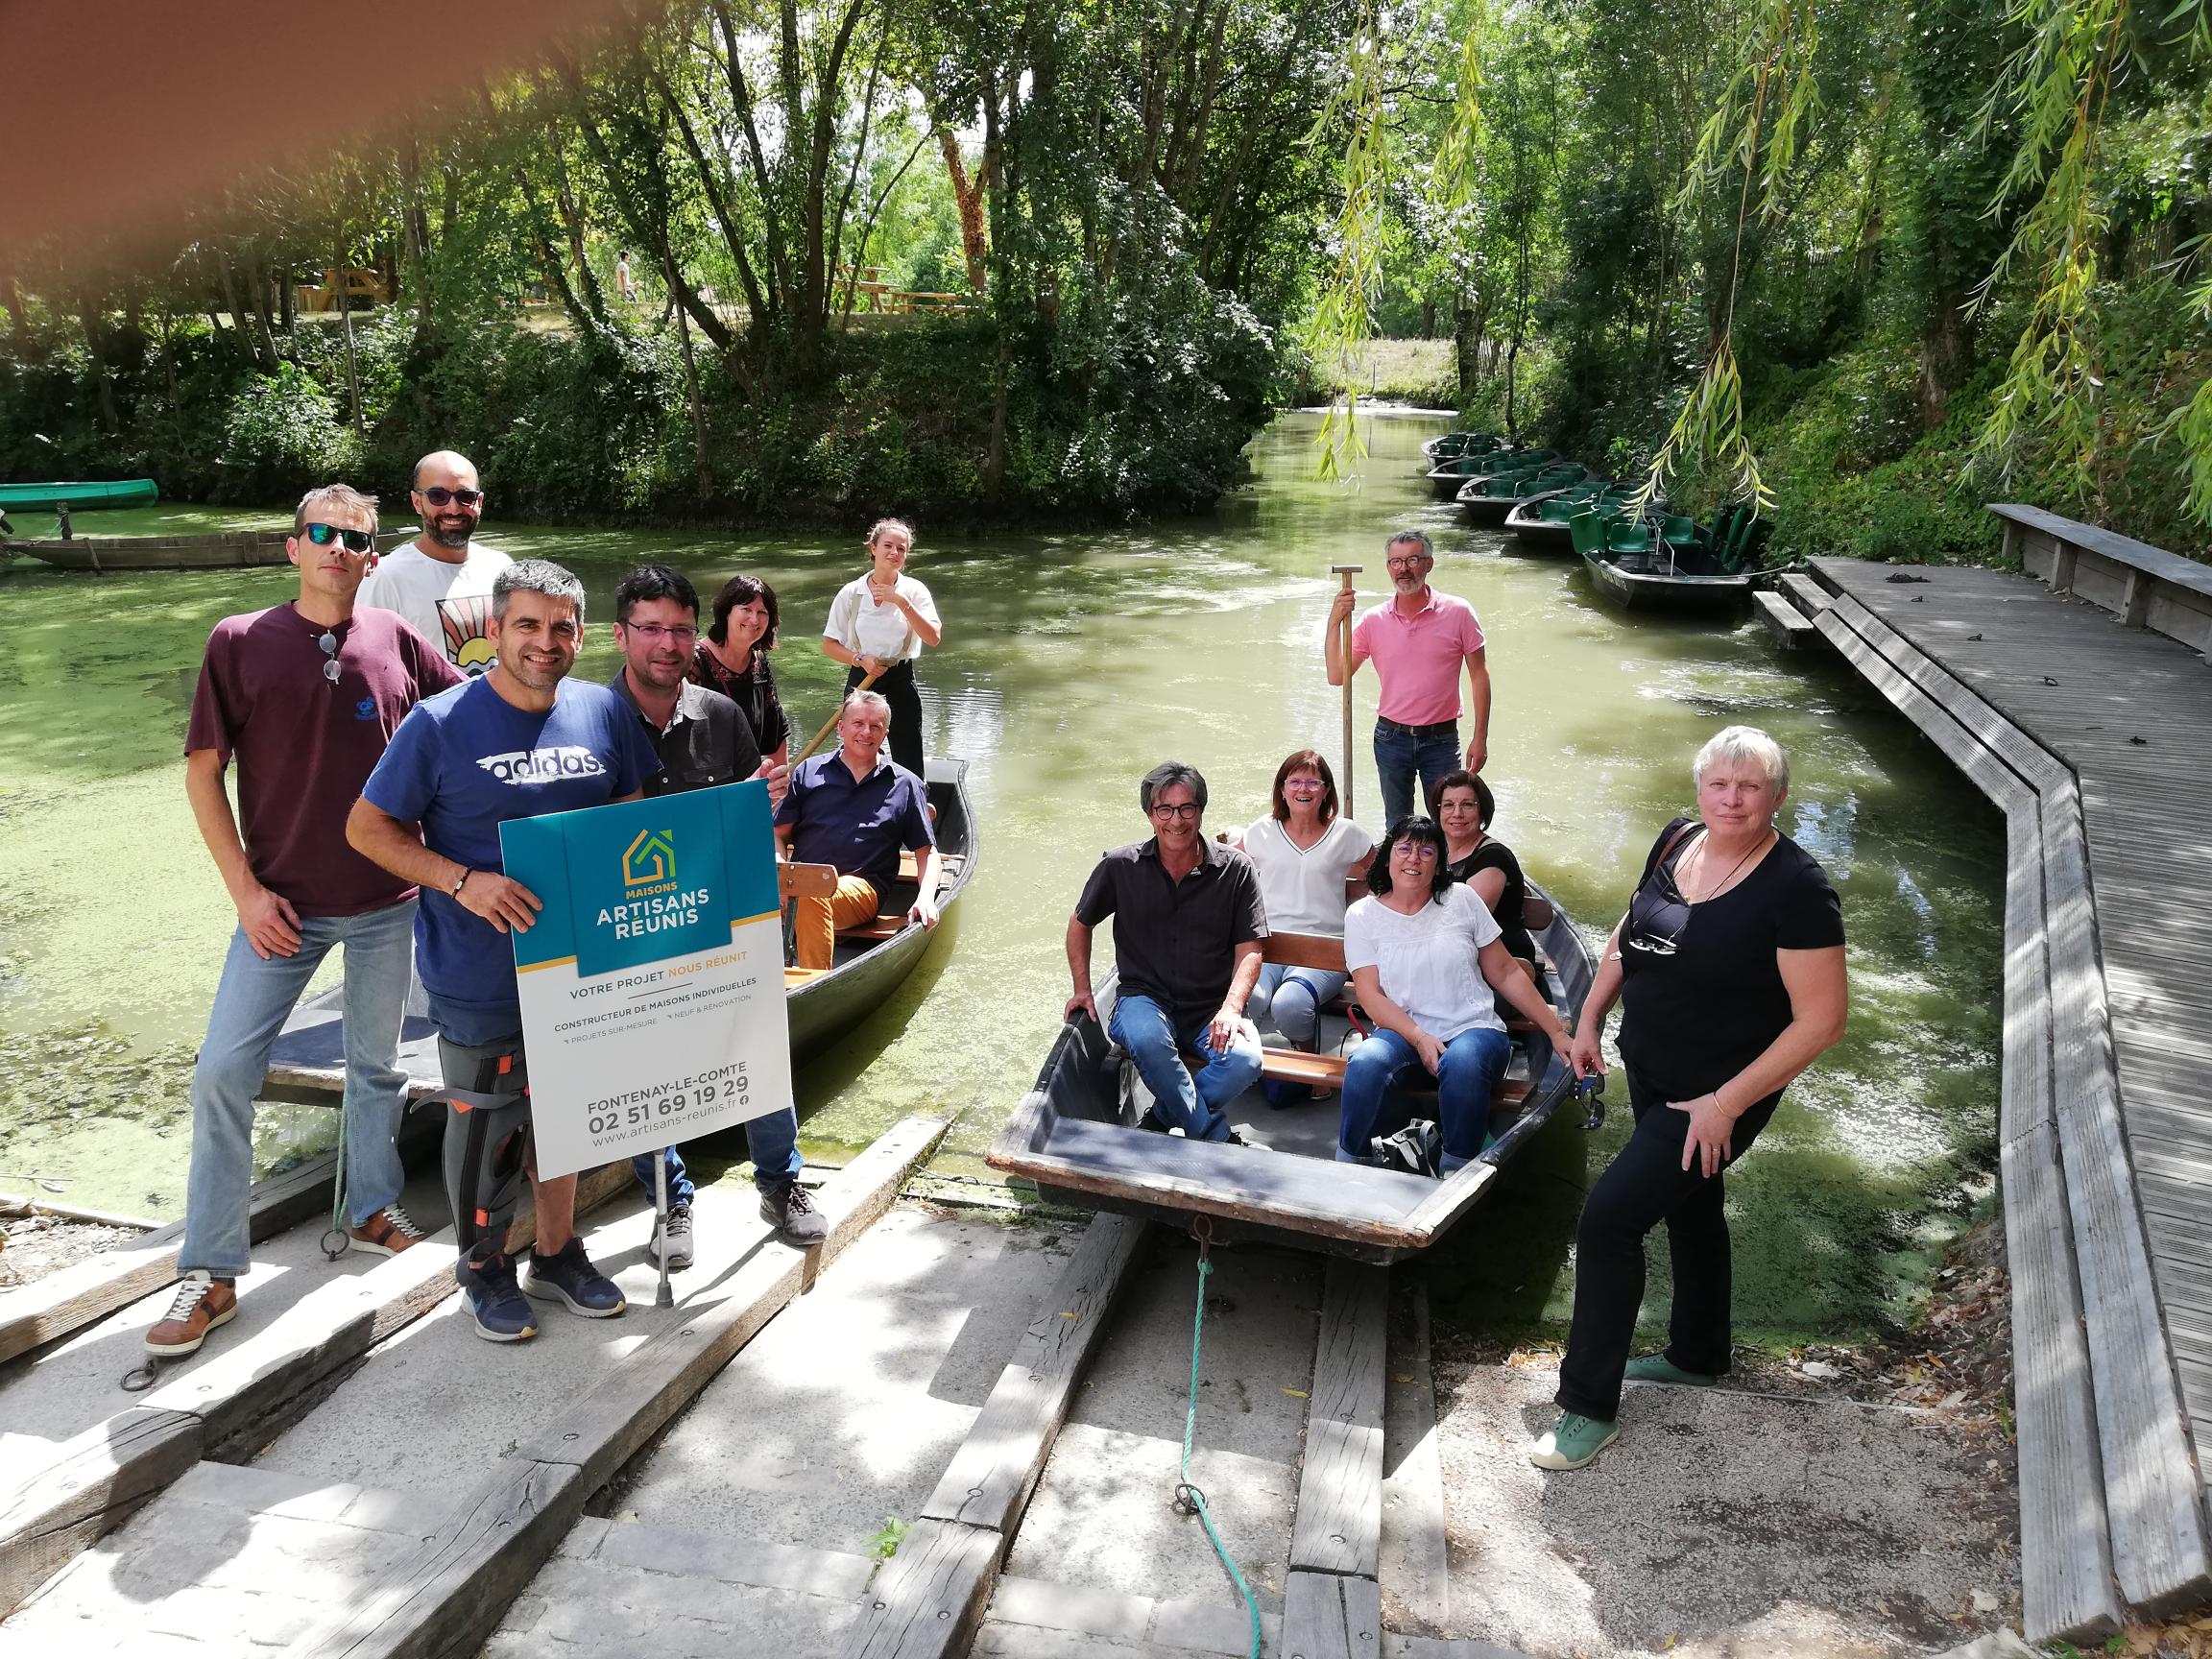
(78, 497)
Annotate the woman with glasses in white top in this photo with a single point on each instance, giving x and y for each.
(1307, 858)
(1729, 968)
(879, 624)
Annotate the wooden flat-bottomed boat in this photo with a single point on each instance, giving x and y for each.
(1645, 568)
(1492, 500)
(1074, 1136)
(214, 551)
(308, 1064)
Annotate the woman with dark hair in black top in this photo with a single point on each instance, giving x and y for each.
(1729, 966)
(1464, 808)
(732, 657)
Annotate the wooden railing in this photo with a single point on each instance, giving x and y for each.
(2149, 587)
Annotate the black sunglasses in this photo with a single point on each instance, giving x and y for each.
(438, 495)
(356, 540)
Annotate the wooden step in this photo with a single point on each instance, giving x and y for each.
(1789, 627)
(1806, 595)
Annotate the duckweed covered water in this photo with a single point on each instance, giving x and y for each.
(1073, 663)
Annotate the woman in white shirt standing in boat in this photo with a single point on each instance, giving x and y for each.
(879, 624)
(1307, 855)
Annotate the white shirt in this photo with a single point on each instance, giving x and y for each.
(1427, 961)
(868, 628)
(449, 605)
(1304, 887)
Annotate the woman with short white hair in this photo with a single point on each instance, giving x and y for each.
(1729, 968)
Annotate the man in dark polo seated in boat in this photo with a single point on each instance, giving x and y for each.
(703, 740)
(855, 810)
(1187, 922)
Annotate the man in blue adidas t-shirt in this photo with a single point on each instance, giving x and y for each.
(520, 741)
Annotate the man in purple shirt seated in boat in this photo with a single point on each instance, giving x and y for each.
(304, 696)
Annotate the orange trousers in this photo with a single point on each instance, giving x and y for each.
(815, 922)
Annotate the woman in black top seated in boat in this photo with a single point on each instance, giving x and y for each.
(1729, 965)
(1464, 808)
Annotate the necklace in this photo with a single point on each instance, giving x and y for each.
(1757, 847)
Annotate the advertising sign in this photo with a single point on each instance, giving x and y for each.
(653, 980)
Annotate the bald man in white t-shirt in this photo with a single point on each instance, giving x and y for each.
(441, 581)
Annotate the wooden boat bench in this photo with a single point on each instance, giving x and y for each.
(889, 922)
(1327, 1070)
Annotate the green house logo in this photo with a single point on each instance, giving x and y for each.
(650, 858)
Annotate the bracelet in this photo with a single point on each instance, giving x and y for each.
(454, 892)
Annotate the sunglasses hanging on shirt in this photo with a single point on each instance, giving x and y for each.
(329, 643)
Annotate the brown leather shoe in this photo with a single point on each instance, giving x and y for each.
(386, 1232)
(202, 1303)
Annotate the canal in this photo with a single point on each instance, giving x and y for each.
(1073, 663)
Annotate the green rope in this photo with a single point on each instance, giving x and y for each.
(1188, 1497)
(337, 1229)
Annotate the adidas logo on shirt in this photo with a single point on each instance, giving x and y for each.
(543, 765)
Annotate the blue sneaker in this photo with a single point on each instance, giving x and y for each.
(570, 1277)
(501, 1314)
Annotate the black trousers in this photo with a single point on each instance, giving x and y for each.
(903, 693)
(1644, 1186)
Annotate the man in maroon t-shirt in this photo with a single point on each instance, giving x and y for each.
(304, 696)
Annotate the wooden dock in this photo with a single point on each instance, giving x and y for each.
(2094, 737)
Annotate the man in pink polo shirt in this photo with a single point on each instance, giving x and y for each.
(1418, 640)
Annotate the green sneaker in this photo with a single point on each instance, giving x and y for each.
(1573, 1441)
(1658, 1368)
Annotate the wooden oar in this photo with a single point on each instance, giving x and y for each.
(1347, 571)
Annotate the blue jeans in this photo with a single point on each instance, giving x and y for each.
(1473, 1063)
(1398, 756)
(252, 1004)
(1292, 998)
(1190, 1104)
(773, 1140)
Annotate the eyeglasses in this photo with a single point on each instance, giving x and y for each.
(652, 631)
(356, 541)
(329, 643)
(1419, 852)
(1186, 810)
(438, 495)
(1406, 563)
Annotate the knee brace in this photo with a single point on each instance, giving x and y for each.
(487, 1144)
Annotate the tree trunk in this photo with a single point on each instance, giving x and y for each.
(263, 326)
(1467, 345)
(19, 325)
(412, 229)
(96, 350)
(1428, 319)
(1946, 339)
(345, 324)
(701, 465)
(968, 195)
(1512, 387)
(263, 353)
